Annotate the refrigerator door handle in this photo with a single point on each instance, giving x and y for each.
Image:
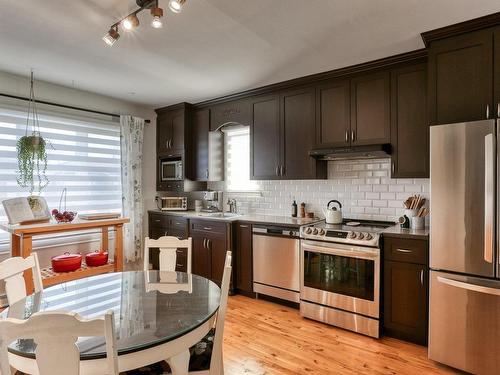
(472, 287)
(489, 203)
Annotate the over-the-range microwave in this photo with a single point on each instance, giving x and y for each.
(171, 169)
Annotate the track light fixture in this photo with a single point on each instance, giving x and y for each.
(176, 5)
(131, 21)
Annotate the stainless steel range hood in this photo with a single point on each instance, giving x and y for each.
(353, 152)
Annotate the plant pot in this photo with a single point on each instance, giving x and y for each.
(66, 262)
(96, 258)
(35, 141)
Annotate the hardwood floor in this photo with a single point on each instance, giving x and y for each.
(265, 338)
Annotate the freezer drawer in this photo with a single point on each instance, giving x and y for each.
(464, 328)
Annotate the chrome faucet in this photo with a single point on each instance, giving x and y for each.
(232, 205)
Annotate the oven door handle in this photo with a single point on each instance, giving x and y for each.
(347, 252)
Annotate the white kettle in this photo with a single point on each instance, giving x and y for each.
(333, 215)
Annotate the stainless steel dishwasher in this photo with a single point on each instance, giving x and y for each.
(276, 262)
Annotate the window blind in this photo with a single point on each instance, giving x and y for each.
(84, 158)
(237, 157)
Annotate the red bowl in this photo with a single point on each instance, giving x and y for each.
(66, 262)
(96, 258)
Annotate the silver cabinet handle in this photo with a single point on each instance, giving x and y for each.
(277, 170)
(393, 167)
(157, 220)
(404, 251)
(473, 287)
(205, 243)
(422, 277)
(498, 109)
(209, 244)
(179, 265)
(352, 135)
(487, 111)
(347, 136)
(207, 228)
(243, 226)
(282, 171)
(489, 216)
(206, 174)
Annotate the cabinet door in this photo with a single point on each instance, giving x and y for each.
(409, 125)
(265, 139)
(200, 125)
(217, 247)
(244, 258)
(461, 78)
(238, 111)
(178, 118)
(405, 301)
(370, 109)
(201, 256)
(163, 133)
(298, 124)
(333, 116)
(496, 73)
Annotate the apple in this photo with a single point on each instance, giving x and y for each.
(55, 211)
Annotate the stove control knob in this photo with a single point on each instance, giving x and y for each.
(368, 236)
(361, 236)
(322, 232)
(308, 230)
(351, 235)
(315, 231)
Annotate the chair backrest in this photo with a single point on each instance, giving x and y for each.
(168, 246)
(168, 283)
(216, 361)
(55, 334)
(11, 271)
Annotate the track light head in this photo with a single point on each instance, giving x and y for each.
(111, 37)
(157, 14)
(131, 22)
(176, 5)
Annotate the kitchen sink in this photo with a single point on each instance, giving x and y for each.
(220, 215)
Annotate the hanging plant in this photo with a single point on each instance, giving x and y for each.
(32, 151)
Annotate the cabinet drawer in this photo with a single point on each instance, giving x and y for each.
(405, 250)
(178, 223)
(158, 220)
(210, 226)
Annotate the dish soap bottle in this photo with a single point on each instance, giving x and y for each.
(294, 209)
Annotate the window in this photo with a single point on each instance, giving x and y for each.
(85, 159)
(237, 157)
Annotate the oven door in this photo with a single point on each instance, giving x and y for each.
(341, 276)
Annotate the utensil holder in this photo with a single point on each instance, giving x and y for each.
(417, 222)
(411, 213)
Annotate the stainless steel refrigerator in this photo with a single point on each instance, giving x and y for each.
(464, 310)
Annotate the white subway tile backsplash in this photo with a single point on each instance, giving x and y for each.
(364, 188)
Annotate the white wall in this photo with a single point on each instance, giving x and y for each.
(19, 85)
(364, 188)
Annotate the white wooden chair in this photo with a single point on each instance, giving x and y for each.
(180, 363)
(168, 246)
(11, 271)
(168, 283)
(55, 334)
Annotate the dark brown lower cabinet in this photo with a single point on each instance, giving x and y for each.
(244, 259)
(201, 256)
(405, 294)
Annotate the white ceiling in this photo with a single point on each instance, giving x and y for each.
(214, 47)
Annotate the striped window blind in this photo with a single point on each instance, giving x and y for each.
(84, 158)
(237, 160)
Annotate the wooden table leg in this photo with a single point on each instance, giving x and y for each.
(27, 247)
(104, 239)
(15, 245)
(118, 248)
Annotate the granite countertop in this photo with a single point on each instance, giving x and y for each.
(264, 219)
(397, 231)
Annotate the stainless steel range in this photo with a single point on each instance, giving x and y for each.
(340, 274)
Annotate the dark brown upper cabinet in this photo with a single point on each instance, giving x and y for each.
(333, 116)
(298, 134)
(235, 111)
(461, 78)
(370, 109)
(171, 124)
(200, 125)
(409, 125)
(282, 135)
(265, 153)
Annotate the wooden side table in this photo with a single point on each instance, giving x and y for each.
(22, 245)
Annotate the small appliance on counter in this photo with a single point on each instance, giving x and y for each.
(171, 203)
(213, 201)
(333, 215)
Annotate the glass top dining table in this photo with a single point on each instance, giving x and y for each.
(151, 308)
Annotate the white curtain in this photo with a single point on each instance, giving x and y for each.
(132, 134)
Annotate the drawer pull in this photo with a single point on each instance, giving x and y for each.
(157, 220)
(404, 251)
(422, 277)
(179, 265)
(179, 251)
(243, 226)
(207, 228)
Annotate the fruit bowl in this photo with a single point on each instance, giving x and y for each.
(63, 217)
